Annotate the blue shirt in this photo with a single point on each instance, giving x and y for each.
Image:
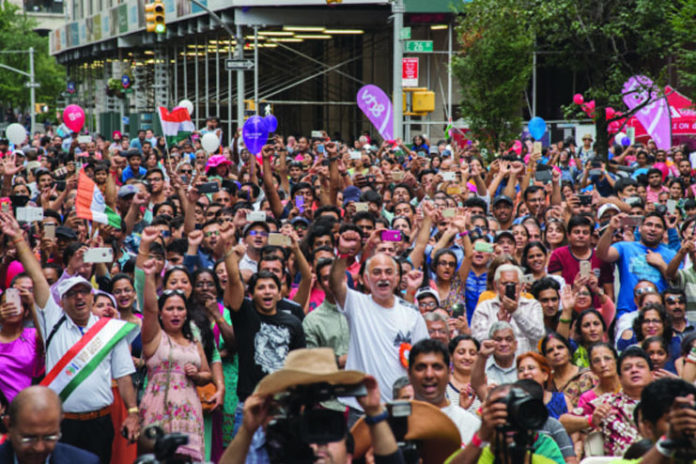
(633, 267)
(128, 173)
(475, 285)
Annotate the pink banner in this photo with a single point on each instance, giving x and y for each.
(378, 109)
(654, 116)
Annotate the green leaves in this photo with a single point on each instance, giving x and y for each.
(16, 33)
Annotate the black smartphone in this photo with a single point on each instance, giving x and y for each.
(60, 185)
(544, 176)
(457, 310)
(510, 291)
(208, 187)
(585, 200)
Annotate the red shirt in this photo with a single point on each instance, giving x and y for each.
(564, 261)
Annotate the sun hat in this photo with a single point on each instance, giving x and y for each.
(427, 424)
(306, 366)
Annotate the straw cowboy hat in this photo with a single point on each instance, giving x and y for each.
(439, 436)
(307, 366)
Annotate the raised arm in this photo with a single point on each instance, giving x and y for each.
(302, 295)
(688, 247)
(429, 213)
(348, 240)
(151, 331)
(10, 227)
(268, 188)
(604, 250)
(478, 371)
(234, 291)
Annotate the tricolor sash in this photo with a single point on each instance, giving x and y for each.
(85, 355)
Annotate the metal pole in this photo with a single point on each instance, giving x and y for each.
(534, 83)
(239, 54)
(256, 69)
(398, 15)
(196, 91)
(32, 92)
(229, 97)
(449, 73)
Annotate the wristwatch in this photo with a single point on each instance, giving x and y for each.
(372, 420)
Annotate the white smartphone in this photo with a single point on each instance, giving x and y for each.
(585, 268)
(256, 216)
(12, 296)
(29, 214)
(449, 176)
(281, 240)
(99, 255)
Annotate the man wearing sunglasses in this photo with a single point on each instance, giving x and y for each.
(255, 237)
(675, 304)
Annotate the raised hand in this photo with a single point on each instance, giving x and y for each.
(414, 279)
(149, 267)
(149, 235)
(195, 238)
(349, 242)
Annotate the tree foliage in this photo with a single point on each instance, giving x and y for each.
(16, 33)
(493, 68)
(604, 42)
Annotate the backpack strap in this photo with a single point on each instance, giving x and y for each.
(54, 330)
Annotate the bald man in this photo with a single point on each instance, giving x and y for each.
(382, 325)
(34, 431)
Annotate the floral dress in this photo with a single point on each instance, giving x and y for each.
(581, 382)
(171, 400)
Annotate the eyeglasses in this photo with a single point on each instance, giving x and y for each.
(652, 321)
(260, 233)
(165, 233)
(204, 284)
(644, 290)
(83, 291)
(26, 440)
(584, 293)
(428, 305)
(300, 225)
(675, 299)
(176, 291)
(154, 179)
(211, 233)
(447, 263)
(186, 171)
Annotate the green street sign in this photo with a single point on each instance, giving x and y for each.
(405, 33)
(419, 46)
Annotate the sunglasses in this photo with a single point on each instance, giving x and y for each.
(675, 299)
(644, 290)
(168, 293)
(211, 233)
(260, 233)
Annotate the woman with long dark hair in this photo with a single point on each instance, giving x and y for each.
(176, 365)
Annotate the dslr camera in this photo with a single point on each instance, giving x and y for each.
(298, 421)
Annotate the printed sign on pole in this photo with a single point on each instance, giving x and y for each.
(409, 72)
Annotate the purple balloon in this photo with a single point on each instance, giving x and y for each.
(625, 141)
(271, 122)
(255, 134)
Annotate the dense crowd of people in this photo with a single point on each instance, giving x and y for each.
(445, 273)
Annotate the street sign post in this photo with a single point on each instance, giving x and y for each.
(405, 33)
(239, 65)
(418, 46)
(32, 85)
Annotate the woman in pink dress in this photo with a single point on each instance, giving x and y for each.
(176, 364)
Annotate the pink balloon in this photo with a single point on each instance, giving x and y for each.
(578, 99)
(517, 147)
(74, 117)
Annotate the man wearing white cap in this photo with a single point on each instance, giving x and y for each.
(83, 354)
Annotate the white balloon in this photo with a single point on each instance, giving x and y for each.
(16, 133)
(188, 105)
(619, 137)
(210, 142)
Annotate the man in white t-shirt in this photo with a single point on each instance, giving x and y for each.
(382, 326)
(428, 374)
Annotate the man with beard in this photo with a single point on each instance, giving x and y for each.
(635, 261)
(382, 327)
(675, 304)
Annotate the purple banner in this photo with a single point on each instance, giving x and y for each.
(378, 109)
(655, 116)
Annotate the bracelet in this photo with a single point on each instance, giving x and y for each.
(478, 442)
(565, 321)
(133, 410)
(589, 420)
(229, 253)
(16, 240)
(372, 420)
(660, 447)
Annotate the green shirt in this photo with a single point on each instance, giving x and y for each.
(546, 451)
(327, 327)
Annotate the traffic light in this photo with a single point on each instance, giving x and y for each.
(423, 101)
(154, 17)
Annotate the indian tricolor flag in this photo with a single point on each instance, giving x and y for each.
(176, 124)
(90, 204)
